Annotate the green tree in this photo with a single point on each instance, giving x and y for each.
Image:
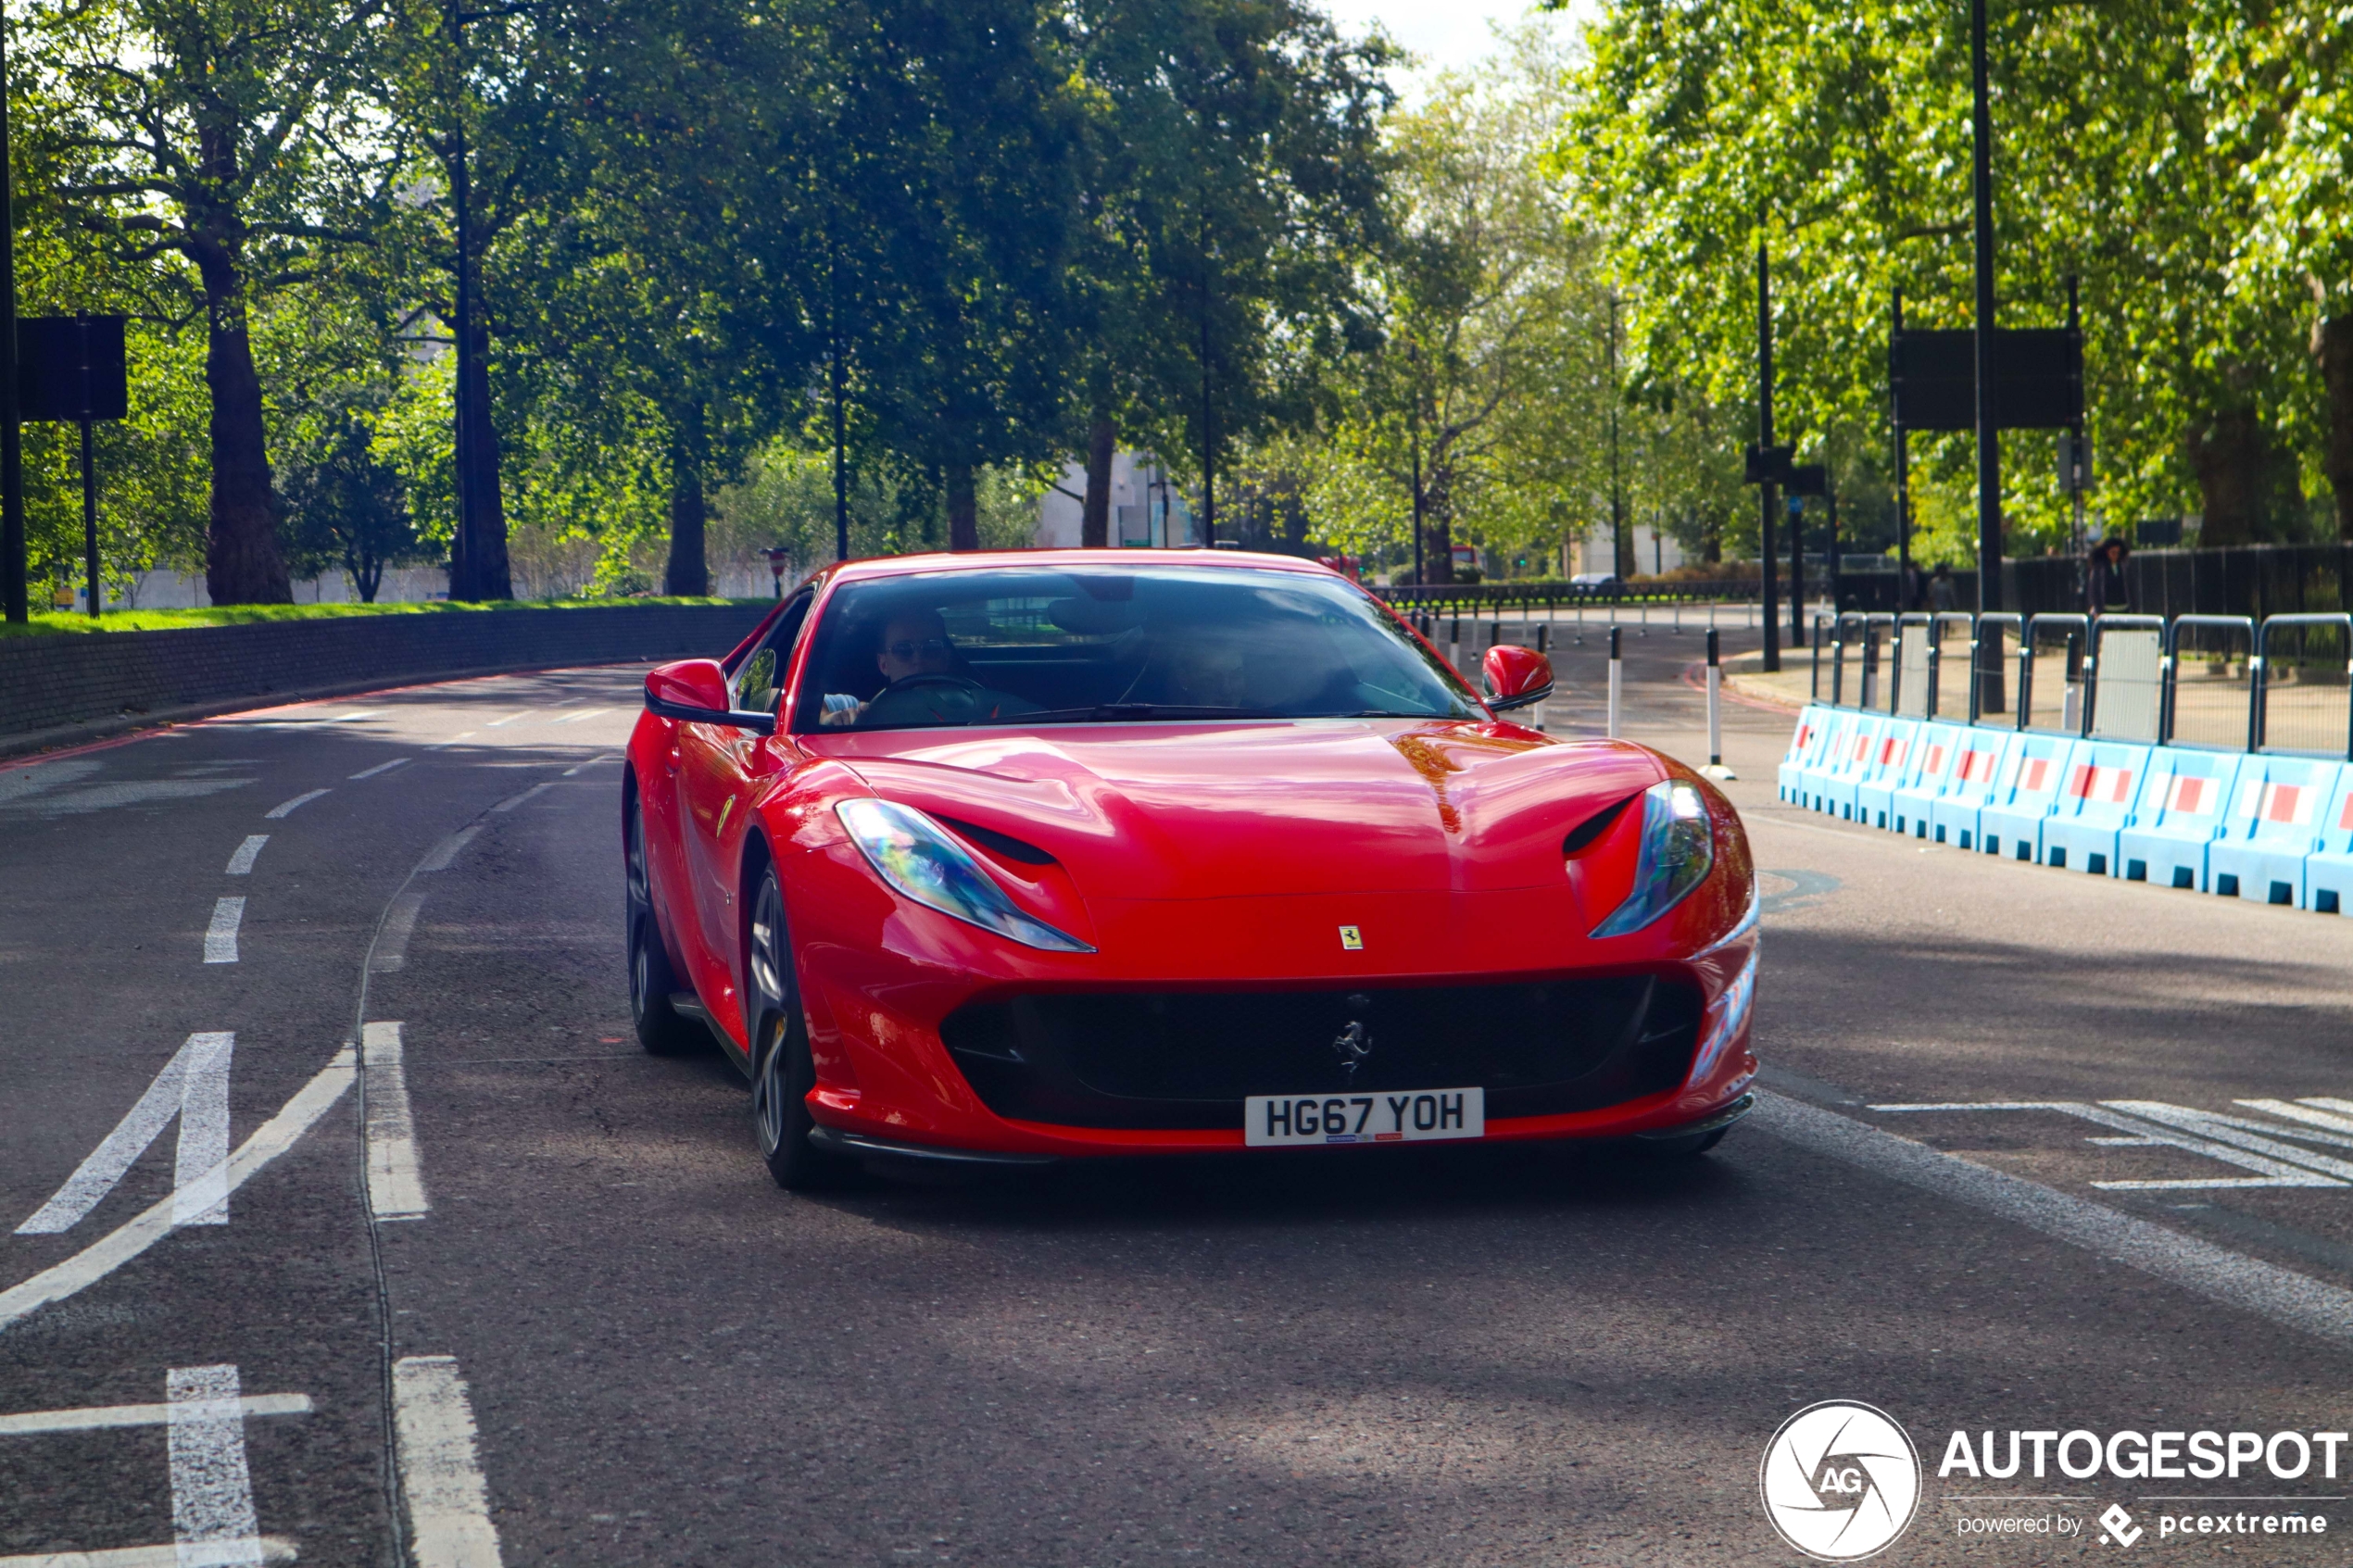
(226, 135)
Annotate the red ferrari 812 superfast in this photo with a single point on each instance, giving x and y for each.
(1044, 856)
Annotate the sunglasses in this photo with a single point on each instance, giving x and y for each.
(907, 651)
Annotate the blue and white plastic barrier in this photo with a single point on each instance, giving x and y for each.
(2261, 826)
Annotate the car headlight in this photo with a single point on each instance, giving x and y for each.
(910, 851)
(1677, 852)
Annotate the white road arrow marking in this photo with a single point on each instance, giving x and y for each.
(194, 1085)
(100, 1259)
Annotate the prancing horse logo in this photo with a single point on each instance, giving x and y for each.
(1355, 1042)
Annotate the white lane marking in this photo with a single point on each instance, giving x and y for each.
(446, 850)
(391, 955)
(440, 1469)
(241, 863)
(196, 1075)
(220, 937)
(212, 1513)
(288, 808)
(584, 713)
(395, 1187)
(273, 1549)
(2280, 1295)
(2305, 1114)
(608, 756)
(462, 735)
(97, 1418)
(514, 800)
(2198, 1132)
(100, 1259)
(498, 723)
(379, 767)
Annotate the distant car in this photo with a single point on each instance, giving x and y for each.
(1595, 581)
(1007, 859)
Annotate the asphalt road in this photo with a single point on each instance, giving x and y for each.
(1383, 1356)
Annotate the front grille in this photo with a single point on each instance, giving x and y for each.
(1186, 1059)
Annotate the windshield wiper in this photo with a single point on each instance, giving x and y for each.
(1105, 711)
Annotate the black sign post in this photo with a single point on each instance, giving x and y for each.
(74, 368)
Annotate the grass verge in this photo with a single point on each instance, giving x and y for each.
(61, 624)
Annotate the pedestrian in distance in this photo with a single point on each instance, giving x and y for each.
(2107, 590)
(1942, 594)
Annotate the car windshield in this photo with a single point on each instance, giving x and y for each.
(1156, 644)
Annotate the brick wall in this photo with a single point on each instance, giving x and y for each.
(108, 680)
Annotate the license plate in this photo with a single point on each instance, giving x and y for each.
(1394, 1116)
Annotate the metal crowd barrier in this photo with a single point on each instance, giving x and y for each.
(2221, 683)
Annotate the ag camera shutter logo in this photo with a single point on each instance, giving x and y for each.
(1840, 1481)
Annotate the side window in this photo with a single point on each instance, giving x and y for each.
(756, 683)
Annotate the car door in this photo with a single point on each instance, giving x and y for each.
(719, 768)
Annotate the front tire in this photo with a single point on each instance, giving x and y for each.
(659, 1029)
(783, 1071)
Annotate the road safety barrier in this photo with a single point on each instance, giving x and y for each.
(2205, 752)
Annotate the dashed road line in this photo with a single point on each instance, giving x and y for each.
(220, 937)
(396, 1186)
(2280, 1295)
(440, 1468)
(100, 1418)
(582, 767)
(194, 1087)
(584, 713)
(95, 1263)
(443, 853)
(462, 735)
(514, 800)
(288, 808)
(241, 863)
(500, 723)
(391, 953)
(379, 767)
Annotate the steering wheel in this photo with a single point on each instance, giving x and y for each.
(910, 682)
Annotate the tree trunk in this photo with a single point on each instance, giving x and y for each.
(1438, 527)
(2226, 453)
(2333, 345)
(485, 553)
(689, 573)
(1094, 524)
(242, 564)
(964, 508)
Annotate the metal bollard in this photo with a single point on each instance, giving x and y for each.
(1716, 768)
(1617, 681)
(1541, 639)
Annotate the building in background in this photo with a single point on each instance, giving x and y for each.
(1654, 551)
(1148, 511)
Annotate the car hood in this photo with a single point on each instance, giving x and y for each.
(1225, 810)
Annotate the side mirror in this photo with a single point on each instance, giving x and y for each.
(695, 691)
(1516, 677)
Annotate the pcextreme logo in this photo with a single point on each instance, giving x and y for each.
(1840, 1480)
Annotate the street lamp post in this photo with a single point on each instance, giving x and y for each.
(1989, 440)
(1770, 594)
(12, 552)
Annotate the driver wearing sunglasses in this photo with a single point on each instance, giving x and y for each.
(918, 663)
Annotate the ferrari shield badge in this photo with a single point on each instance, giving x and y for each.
(1351, 938)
